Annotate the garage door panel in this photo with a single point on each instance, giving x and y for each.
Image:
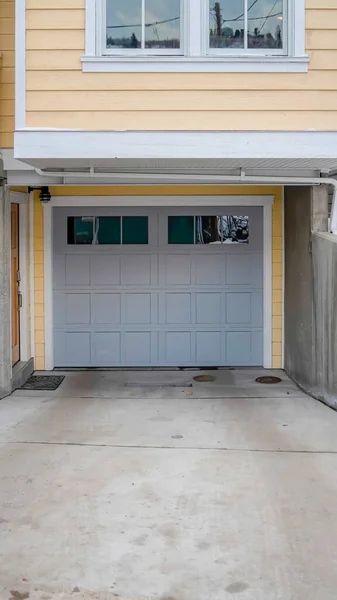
(106, 309)
(71, 309)
(72, 349)
(257, 271)
(257, 310)
(257, 347)
(178, 308)
(238, 269)
(138, 309)
(137, 348)
(59, 309)
(209, 308)
(105, 269)
(77, 309)
(136, 270)
(77, 270)
(238, 308)
(59, 270)
(208, 347)
(239, 348)
(107, 348)
(210, 270)
(178, 348)
(175, 269)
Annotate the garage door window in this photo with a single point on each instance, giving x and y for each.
(181, 230)
(107, 230)
(227, 229)
(135, 230)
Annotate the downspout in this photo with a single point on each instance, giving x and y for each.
(207, 179)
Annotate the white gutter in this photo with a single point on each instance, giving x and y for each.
(207, 179)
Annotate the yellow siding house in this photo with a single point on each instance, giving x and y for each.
(148, 147)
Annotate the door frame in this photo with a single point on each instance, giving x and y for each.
(158, 201)
(21, 199)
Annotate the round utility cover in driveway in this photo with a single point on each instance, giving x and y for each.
(268, 379)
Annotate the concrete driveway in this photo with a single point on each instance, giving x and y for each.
(118, 486)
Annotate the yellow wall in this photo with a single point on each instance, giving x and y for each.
(7, 93)
(162, 191)
(60, 95)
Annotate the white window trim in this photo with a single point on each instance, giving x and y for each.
(197, 56)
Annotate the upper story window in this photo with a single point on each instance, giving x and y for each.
(247, 26)
(147, 26)
(195, 35)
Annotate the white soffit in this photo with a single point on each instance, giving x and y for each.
(36, 147)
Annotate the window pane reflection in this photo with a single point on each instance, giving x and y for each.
(264, 18)
(162, 24)
(208, 230)
(235, 229)
(226, 24)
(265, 22)
(124, 24)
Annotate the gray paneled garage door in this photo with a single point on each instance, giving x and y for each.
(158, 287)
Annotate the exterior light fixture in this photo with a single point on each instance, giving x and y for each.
(45, 195)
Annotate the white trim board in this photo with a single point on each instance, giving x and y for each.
(32, 274)
(183, 64)
(268, 286)
(18, 198)
(48, 287)
(36, 145)
(20, 64)
(179, 201)
(265, 201)
(283, 277)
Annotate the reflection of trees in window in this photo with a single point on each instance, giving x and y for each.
(208, 230)
(143, 24)
(235, 229)
(226, 229)
(227, 29)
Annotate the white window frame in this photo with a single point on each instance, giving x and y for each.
(286, 35)
(195, 54)
(101, 36)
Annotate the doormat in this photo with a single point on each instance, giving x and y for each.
(43, 382)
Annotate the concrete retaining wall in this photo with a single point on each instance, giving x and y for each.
(310, 294)
(324, 261)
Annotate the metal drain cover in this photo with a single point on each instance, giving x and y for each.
(268, 379)
(204, 378)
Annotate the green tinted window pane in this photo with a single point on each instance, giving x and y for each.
(181, 230)
(135, 230)
(109, 230)
(80, 230)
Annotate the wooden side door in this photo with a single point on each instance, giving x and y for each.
(15, 282)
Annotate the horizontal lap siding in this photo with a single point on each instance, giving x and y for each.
(60, 95)
(7, 74)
